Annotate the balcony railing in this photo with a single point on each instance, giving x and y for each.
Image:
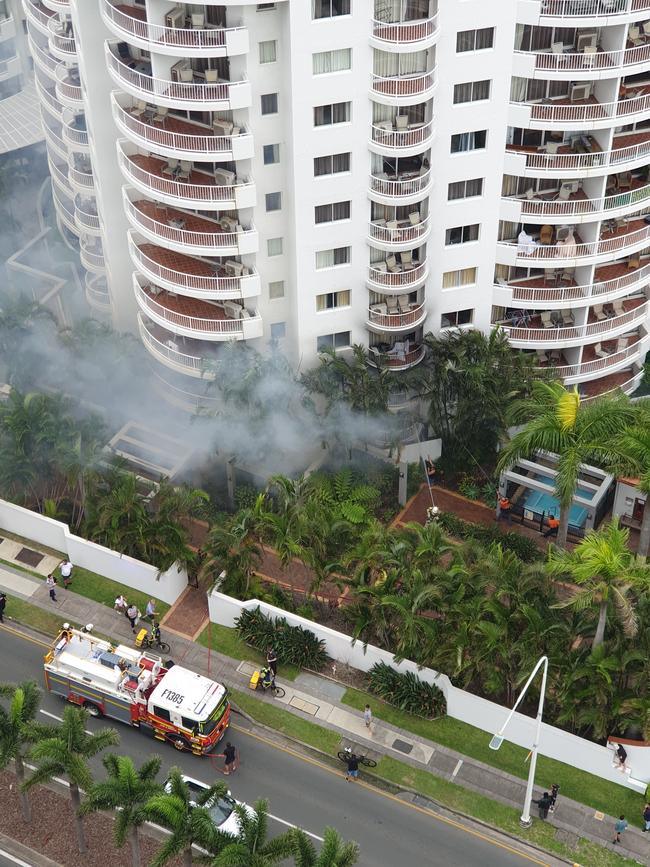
(34, 12)
(65, 88)
(618, 245)
(398, 279)
(400, 361)
(400, 188)
(85, 217)
(627, 387)
(400, 235)
(566, 371)
(543, 161)
(562, 112)
(59, 41)
(55, 141)
(43, 58)
(405, 32)
(549, 294)
(397, 320)
(574, 207)
(90, 258)
(60, 174)
(575, 332)
(71, 133)
(591, 8)
(609, 60)
(65, 210)
(403, 138)
(404, 85)
(193, 365)
(81, 178)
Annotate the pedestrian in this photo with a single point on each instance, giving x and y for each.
(430, 468)
(87, 629)
(229, 755)
(65, 568)
(621, 753)
(150, 611)
(619, 827)
(133, 616)
(543, 805)
(353, 767)
(272, 661)
(367, 716)
(553, 525)
(3, 602)
(554, 790)
(50, 583)
(646, 809)
(505, 507)
(121, 604)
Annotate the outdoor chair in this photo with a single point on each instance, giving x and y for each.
(600, 352)
(212, 76)
(547, 320)
(546, 235)
(185, 170)
(161, 114)
(170, 168)
(599, 313)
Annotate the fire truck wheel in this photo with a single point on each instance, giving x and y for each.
(179, 744)
(92, 709)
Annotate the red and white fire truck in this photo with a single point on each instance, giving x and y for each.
(164, 700)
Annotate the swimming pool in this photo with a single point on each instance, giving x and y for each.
(540, 501)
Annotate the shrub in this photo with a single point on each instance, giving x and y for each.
(522, 546)
(293, 644)
(406, 691)
(245, 496)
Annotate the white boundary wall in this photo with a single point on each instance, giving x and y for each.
(462, 705)
(166, 586)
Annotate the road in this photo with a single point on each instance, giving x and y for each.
(301, 791)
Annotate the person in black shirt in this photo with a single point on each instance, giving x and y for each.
(3, 602)
(272, 661)
(543, 804)
(229, 756)
(353, 767)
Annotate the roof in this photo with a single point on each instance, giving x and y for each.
(20, 120)
(188, 693)
(629, 480)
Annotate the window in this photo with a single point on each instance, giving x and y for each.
(465, 189)
(188, 723)
(474, 40)
(456, 317)
(161, 713)
(273, 201)
(326, 115)
(332, 213)
(269, 103)
(330, 300)
(462, 234)
(331, 165)
(276, 289)
(278, 330)
(332, 258)
(264, 7)
(329, 8)
(331, 61)
(454, 279)
(274, 246)
(333, 341)
(271, 154)
(468, 141)
(268, 51)
(472, 91)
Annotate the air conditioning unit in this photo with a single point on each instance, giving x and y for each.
(571, 187)
(586, 40)
(580, 91)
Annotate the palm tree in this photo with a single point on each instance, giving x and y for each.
(67, 751)
(350, 381)
(186, 817)
(235, 548)
(607, 574)
(252, 848)
(556, 421)
(125, 790)
(334, 852)
(634, 447)
(19, 731)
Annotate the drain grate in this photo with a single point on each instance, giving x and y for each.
(29, 557)
(402, 746)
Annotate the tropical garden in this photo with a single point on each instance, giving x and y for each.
(134, 795)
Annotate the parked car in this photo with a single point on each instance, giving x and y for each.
(222, 810)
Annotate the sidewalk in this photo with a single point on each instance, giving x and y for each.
(318, 699)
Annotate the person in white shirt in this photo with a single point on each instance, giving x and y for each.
(150, 611)
(121, 604)
(65, 569)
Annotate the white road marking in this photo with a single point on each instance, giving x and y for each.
(13, 858)
(59, 718)
(291, 825)
(457, 768)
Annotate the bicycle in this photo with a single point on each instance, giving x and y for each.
(265, 684)
(149, 641)
(344, 756)
(277, 691)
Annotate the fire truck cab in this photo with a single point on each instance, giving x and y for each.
(136, 687)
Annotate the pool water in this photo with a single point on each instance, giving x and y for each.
(540, 501)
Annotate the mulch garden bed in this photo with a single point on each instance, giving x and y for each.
(52, 831)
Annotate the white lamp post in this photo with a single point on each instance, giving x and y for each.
(497, 740)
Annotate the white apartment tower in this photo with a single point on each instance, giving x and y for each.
(330, 172)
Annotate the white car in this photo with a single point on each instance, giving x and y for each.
(221, 809)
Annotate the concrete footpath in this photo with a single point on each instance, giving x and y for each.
(319, 699)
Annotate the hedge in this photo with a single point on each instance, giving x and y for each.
(522, 546)
(293, 644)
(406, 691)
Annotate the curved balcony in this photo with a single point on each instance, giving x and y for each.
(97, 292)
(55, 142)
(177, 137)
(192, 96)
(130, 23)
(577, 207)
(594, 365)
(159, 343)
(191, 275)
(49, 100)
(413, 35)
(200, 320)
(59, 175)
(583, 115)
(92, 256)
(68, 87)
(396, 360)
(199, 189)
(625, 382)
(582, 66)
(38, 14)
(568, 164)
(403, 89)
(182, 397)
(43, 59)
(86, 217)
(188, 233)
(530, 337)
(60, 6)
(65, 210)
(581, 13)
(379, 319)
(61, 45)
(396, 282)
(403, 235)
(81, 179)
(401, 142)
(74, 131)
(401, 191)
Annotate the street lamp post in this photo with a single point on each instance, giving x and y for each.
(497, 740)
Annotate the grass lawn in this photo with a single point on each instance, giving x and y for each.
(227, 641)
(578, 785)
(30, 615)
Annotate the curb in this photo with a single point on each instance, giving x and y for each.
(26, 857)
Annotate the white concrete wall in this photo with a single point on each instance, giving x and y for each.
(624, 499)
(166, 586)
(462, 705)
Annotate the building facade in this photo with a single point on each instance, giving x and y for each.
(331, 172)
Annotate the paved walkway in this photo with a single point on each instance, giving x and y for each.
(318, 699)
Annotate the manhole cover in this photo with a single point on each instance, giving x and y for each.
(31, 558)
(402, 746)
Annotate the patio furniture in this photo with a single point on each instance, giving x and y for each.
(171, 167)
(568, 275)
(176, 223)
(634, 261)
(211, 76)
(403, 303)
(550, 277)
(557, 48)
(589, 55)
(542, 357)
(546, 235)
(621, 344)
(185, 170)
(392, 264)
(414, 218)
(161, 114)
(634, 35)
(198, 20)
(224, 177)
(186, 75)
(567, 318)
(619, 308)
(392, 306)
(599, 313)
(222, 127)
(139, 109)
(600, 351)
(624, 180)
(406, 259)
(547, 320)
(551, 147)
(401, 121)
(392, 225)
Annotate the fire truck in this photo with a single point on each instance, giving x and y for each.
(166, 701)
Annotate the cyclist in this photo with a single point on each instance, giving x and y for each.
(155, 632)
(266, 678)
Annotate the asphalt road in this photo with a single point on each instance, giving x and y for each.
(304, 792)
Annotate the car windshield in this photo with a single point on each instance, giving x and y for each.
(221, 809)
(211, 723)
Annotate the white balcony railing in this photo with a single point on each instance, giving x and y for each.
(574, 207)
(627, 387)
(34, 12)
(49, 99)
(545, 162)
(193, 365)
(59, 41)
(617, 245)
(91, 258)
(398, 279)
(405, 32)
(398, 321)
(575, 332)
(43, 58)
(86, 217)
(399, 139)
(561, 112)
(65, 88)
(400, 188)
(586, 368)
(404, 85)
(398, 362)
(81, 178)
(546, 61)
(72, 134)
(591, 8)
(400, 235)
(550, 294)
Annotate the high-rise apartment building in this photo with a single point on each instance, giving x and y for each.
(331, 172)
